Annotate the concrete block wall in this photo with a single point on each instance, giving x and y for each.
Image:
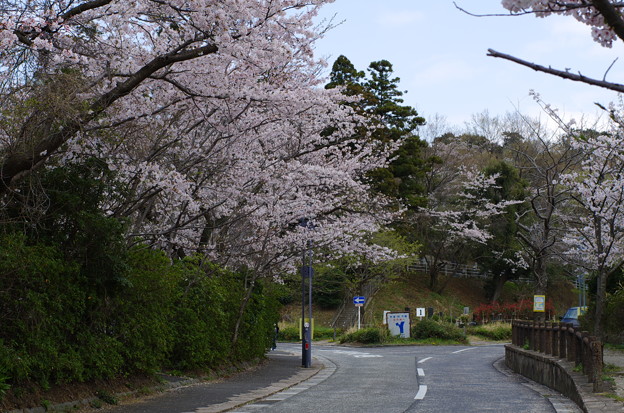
(559, 375)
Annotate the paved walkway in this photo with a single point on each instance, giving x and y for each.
(616, 358)
(282, 371)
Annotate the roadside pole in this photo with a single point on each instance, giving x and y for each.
(306, 274)
(359, 303)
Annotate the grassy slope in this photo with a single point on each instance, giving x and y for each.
(413, 292)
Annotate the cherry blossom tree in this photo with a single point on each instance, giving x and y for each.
(209, 114)
(542, 159)
(596, 238)
(455, 220)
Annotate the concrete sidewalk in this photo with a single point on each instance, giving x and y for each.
(282, 370)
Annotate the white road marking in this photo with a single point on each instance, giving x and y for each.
(421, 372)
(423, 360)
(356, 354)
(466, 349)
(422, 390)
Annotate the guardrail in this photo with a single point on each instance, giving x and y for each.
(563, 341)
(449, 269)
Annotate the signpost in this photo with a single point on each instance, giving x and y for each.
(359, 303)
(399, 324)
(420, 313)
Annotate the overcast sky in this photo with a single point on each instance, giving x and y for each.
(439, 53)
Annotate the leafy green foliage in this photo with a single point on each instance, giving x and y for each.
(57, 328)
(493, 331)
(500, 250)
(370, 335)
(614, 317)
(329, 285)
(291, 333)
(433, 329)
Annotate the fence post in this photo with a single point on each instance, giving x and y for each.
(588, 365)
(554, 345)
(538, 336)
(548, 339)
(578, 347)
(596, 356)
(562, 341)
(570, 345)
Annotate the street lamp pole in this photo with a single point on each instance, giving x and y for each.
(306, 327)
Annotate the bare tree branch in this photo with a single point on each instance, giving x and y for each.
(618, 87)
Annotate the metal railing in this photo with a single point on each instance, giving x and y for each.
(565, 342)
(450, 268)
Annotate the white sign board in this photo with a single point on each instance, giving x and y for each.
(420, 312)
(399, 324)
(385, 315)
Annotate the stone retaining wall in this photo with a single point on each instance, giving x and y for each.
(547, 370)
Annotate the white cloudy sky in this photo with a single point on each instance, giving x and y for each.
(440, 55)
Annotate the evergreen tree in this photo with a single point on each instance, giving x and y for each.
(388, 121)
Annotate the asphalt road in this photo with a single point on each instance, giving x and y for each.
(385, 379)
(414, 379)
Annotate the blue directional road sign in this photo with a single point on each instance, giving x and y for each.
(359, 301)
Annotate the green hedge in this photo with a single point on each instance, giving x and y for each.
(428, 328)
(493, 331)
(291, 333)
(370, 335)
(58, 325)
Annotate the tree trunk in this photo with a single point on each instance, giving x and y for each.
(498, 287)
(241, 312)
(601, 296)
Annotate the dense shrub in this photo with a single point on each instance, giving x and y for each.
(291, 333)
(57, 326)
(433, 329)
(324, 333)
(200, 318)
(614, 317)
(493, 331)
(41, 311)
(510, 311)
(370, 335)
(143, 311)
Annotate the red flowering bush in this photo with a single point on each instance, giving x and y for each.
(509, 311)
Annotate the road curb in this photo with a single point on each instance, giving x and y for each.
(303, 375)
